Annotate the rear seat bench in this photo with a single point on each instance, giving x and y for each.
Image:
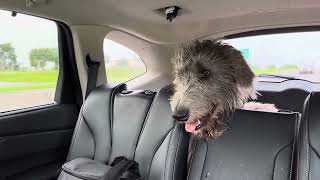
(135, 124)
(258, 146)
(308, 158)
(139, 126)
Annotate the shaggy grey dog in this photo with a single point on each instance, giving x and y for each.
(211, 79)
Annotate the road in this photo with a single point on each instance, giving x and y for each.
(22, 99)
(314, 77)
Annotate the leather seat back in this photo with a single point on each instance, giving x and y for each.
(308, 157)
(257, 146)
(136, 124)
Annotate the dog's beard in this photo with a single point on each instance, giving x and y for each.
(215, 126)
(210, 126)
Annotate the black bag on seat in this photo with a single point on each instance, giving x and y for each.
(87, 169)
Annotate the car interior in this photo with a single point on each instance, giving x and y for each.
(103, 89)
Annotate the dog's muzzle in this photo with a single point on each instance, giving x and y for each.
(181, 114)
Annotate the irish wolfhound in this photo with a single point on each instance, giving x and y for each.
(211, 79)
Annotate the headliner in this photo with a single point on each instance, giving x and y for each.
(209, 18)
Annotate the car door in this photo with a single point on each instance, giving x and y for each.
(40, 96)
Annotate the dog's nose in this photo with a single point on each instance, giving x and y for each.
(181, 114)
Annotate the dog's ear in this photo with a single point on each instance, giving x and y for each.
(177, 59)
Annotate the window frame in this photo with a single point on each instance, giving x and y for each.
(280, 30)
(68, 88)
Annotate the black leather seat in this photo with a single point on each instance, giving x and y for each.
(258, 146)
(308, 161)
(134, 124)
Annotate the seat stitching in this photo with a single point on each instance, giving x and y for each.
(295, 142)
(303, 121)
(143, 126)
(166, 161)
(193, 152)
(307, 161)
(176, 154)
(308, 139)
(93, 137)
(205, 160)
(147, 116)
(75, 173)
(157, 150)
(291, 160)
(76, 132)
(299, 153)
(275, 158)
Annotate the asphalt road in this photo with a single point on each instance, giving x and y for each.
(23, 99)
(314, 77)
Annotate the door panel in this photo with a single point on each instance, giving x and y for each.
(35, 143)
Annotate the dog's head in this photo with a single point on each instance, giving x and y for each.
(211, 79)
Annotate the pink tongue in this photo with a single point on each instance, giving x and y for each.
(191, 127)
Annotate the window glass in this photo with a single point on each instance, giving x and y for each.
(29, 61)
(122, 64)
(293, 55)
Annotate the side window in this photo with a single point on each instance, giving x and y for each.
(122, 64)
(29, 61)
(274, 57)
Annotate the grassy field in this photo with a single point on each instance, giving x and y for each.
(48, 79)
(123, 74)
(33, 80)
(29, 76)
(274, 70)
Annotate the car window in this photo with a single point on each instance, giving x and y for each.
(122, 64)
(293, 55)
(29, 61)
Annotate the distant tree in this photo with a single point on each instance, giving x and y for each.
(290, 66)
(54, 57)
(123, 62)
(107, 58)
(271, 66)
(39, 57)
(8, 57)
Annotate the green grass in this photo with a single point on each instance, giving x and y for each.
(29, 76)
(123, 73)
(48, 79)
(274, 70)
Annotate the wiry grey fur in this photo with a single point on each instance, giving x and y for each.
(211, 79)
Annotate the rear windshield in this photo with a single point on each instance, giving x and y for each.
(282, 56)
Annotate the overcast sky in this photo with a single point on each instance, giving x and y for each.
(27, 32)
(302, 49)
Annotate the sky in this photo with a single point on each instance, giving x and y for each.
(27, 32)
(301, 49)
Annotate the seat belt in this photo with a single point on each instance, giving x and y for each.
(92, 72)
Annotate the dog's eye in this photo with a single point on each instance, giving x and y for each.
(204, 75)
